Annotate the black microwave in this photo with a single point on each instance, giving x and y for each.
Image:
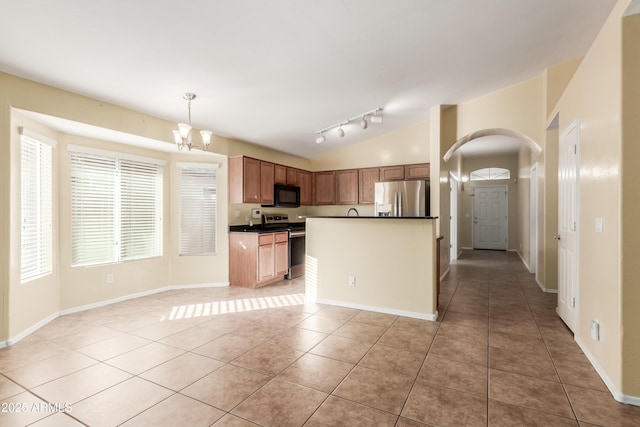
(286, 196)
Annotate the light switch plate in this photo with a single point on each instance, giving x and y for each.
(599, 225)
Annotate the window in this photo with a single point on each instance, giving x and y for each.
(198, 206)
(36, 236)
(490, 174)
(116, 207)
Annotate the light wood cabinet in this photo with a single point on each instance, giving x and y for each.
(244, 180)
(280, 174)
(392, 173)
(305, 181)
(266, 183)
(367, 185)
(257, 259)
(325, 188)
(417, 171)
(347, 187)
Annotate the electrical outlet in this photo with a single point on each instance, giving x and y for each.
(352, 281)
(110, 278)
(595, 330)
(237, 213)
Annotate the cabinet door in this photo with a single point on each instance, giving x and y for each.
(280, 174)
(417, 171)
(281, 254)
(265, 262)
(392, 173)
(292, 176)
(325, 191)
(304, 181)
(347, 187)
(266, 183)
(366, 185)
(251, 180)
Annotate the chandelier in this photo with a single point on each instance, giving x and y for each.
(182, 135)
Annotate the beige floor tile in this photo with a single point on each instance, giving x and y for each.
(81, 384)
(463, 333)
(336, 412)
(377, 319)
(89, 334)
(119, 403)
(406, 422)
(182, 371)
(49, 369)
(336, 312)
(230, 420)
(177, 410)
(113, 347)
(439, 406)
(339, 348)
(299, 339)
(599, 408)
(462, 307)
(360, 331)
(157, 331)
(22, 409)
(57, 420)
(444, 372)
(191, 338)
(228, 347)
(425, 327)
(273, 406)
(503, 415)
(226, 387)
(529, 392)
(406, 339)
(144, 358)
(323, 324)
(579, 374)
(531, 363)
(269, 358)
(8, 388)
(462, 351)
(393, 360)
(28, 351)
(465, 319)
(384, 391)
(317, 372)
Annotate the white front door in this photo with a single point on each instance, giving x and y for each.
(568, 226)
(490, 217)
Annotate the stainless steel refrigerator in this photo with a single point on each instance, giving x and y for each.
(402, 198)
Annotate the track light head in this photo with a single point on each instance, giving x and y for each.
(363, 123)
(340, 131)
(320, 139)
(376, 118)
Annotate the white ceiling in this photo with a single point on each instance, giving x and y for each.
(274, 72)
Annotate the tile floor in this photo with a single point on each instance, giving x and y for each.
(234, 357)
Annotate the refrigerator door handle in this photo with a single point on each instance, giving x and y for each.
(399, 203)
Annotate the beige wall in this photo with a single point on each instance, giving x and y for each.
(393, 261)
(630, 206)
(593, 97)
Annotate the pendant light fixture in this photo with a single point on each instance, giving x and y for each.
(182, 135)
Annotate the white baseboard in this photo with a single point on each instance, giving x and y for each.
(57, 314)
(617, 395)
(465, 248)
(446, 272)
(526, 264)
(545, 290)
(432, 317)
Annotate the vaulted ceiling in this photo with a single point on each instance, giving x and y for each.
(275, 72)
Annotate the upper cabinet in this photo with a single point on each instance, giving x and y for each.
(280, 174)
(347, 187)
(417, 171)
(367, 179)
(305, 183)
(267, 177)
(292, 176)
(325, 188)
(244, 180)
(392, 173)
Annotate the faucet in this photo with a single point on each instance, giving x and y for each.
(353, 209)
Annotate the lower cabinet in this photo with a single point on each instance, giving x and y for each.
(257, 259)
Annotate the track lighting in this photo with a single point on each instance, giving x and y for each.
(182, 135)
(375, 116)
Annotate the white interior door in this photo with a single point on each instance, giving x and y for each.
(453, 218)
(568, 226)
(533, 221)
(490, 217)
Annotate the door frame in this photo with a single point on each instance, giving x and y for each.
(453, 217)
(506, 221)
(533, 222)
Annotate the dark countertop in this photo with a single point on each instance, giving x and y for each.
(257, 228)
(371, 217)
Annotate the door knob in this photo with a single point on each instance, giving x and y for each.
(557, 237)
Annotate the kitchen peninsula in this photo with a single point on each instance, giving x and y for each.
(383, 264)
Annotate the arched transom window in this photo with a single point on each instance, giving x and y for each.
(490, 174)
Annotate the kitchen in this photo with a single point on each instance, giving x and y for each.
(258, 251)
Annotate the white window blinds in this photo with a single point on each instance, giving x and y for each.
(36, 237)
(198, 209)
(116, 209)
